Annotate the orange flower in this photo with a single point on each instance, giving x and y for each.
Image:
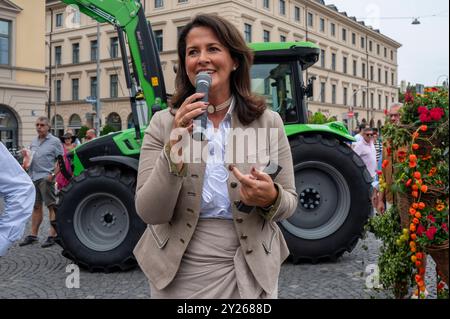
(408, 183)
(424, 188)
(412, 158)
(426, 158)
(422, 288)
(421, 205)
(423, 128)
(418, 278)
(385, 164)
(419, 181)
(419, 255)
(418, 263)
(413, 258)
(413, 249)
(412, 211)
(415, 146)
(415, 221)
(415, 135)
(432, 171)
(412, 164)
(418, 215)
(415, 194)
(422, 271)
(415, 205)
(413, 236)
(440, 207)
(417, 175)
(415, 187)
(421, 283)
(412, 227)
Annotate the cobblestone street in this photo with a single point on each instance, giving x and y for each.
(35, 272)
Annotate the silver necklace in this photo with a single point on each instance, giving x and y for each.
(212, 109)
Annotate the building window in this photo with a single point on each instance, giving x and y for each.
(75, 53)
(310, 19)
(378, 49)
(379, 75)
(386, 77)
(297, 14)
(75, 89)
(385, 52)
(355, 95)
(363, 43)
(5, 42)
(370, 46)
(159, 3)
(354, 38)
(266, 4)
(345, 96)
(344, 64)
(333, 61)
(113, 86)
(333, 29)
(58, 50)
(355, 68)
(58, 90)
(392, 78)
(364, 99)
(333, 94)
(114, 47)
(379, 101)
(344, 35)
(283, 7)
(159, 40)
(371, 73)
(94, 50)
(182, 1)
(322, 25)
(371, 100)
(93, 86)
(392, 55)
(59, 20)
(266, 36)
(282, 38)
(322, 92)
(248, 32)
(179, 30)
(363, 70)
(322, 58)
(386, 101)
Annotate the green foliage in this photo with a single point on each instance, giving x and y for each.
(107, 129)
(82, 132)
(320, 118)
(394, 261)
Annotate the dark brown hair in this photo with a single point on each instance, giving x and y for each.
(247, 106)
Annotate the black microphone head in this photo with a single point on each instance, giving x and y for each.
(203, 78)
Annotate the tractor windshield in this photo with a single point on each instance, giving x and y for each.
(274, 82)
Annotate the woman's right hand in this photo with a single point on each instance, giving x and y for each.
(188, 111)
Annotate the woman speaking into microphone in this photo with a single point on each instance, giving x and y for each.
(199, 242)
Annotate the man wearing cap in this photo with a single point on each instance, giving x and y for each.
(44, 149)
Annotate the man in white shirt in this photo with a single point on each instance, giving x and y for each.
(18, 193)
(366, 150)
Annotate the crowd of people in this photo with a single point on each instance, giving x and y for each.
(26, 188)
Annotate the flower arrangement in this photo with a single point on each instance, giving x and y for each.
(421, 180)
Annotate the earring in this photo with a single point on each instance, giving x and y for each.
(234, 68)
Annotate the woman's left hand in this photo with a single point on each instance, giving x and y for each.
(257, 188)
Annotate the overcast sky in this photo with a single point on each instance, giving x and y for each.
(424, 55)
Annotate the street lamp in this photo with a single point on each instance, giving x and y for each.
(442, 75)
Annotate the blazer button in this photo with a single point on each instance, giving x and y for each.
(244, 236)
(239, 220)
(233, 184)
(236, 202)
(249, 251)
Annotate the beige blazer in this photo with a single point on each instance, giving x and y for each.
(170, 203)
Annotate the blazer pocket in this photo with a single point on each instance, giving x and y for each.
(161, 234)
(269, 238)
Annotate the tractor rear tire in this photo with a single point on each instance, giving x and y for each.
(334, 189)
(96, 220)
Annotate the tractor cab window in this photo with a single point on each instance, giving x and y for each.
(274, 82)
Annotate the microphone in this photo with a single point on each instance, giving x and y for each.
(202, 84)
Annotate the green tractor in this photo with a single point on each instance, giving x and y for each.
(97, 224)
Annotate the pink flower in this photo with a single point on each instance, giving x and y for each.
(420, 230)
(431, 232)
(422, 109)
(436, 113)
(431, 219)
(444, 227)
(425, 117)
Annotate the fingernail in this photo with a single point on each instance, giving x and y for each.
(230, 167)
